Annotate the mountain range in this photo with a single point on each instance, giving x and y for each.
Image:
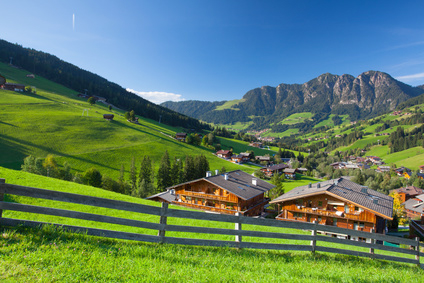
(370, 94)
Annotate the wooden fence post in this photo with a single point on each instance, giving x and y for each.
(163, 220)
(372, 242)
(2, 181)
(417, 248)
(238, 238)
(314, 234)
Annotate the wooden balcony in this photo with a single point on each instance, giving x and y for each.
(360, 216)
(224, 210)
(205, 196)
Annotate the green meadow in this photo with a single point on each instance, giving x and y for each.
(52, 254)
(55, 121)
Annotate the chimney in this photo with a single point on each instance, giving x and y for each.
(309, 185)
(336, 182)
(254, 181)
(364, 190)
(318, 185)
(226, 176)
(216, 172)
(208, 174)
(172, 192)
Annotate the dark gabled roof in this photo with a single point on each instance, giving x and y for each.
(167, 196)
(415, 204)
(238, 183)
(348, 190)
(410, 191)
(290, 171)
(277, 167)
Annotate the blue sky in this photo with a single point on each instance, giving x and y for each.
(218, 50)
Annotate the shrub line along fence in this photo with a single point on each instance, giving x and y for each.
(164, 212)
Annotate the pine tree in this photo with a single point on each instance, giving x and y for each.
(175, 171)
(163, 176)
(189, 169)
(133, 175)
(146, 170)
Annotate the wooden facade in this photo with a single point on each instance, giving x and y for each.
(339, 202)
(208, 196)
(328, 210)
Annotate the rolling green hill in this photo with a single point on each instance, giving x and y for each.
(55, 121)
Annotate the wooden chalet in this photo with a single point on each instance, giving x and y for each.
(264, 159)
(407, 193)
(14, 87)
(246, 156)
(274, 169)
(290, 173)
(237, 158)
(228, 193)
(256, 144)
(180, 136)
(414, 207)
(337, 202)
(108, 117)
(224, 154)
(422, 169)
(401, 170)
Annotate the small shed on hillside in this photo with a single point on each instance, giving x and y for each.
(108, 117)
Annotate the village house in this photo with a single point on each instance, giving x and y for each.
(228, 193)
(399, 171)
(224, 154)
(108, 117)
(246, 156)
(181, 136)
(414, 207)
(14, 87)
(338, 202)
(32, 76)
(407, 193)
(382, 169)
(263, 159)
(274, 169)
(290, 173)
(256, 144)
(237, 159)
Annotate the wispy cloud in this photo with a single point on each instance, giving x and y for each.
(157, 96)
(411, 78)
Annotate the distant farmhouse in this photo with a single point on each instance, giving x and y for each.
(229, 193)
(180, 136)
(337, 202)
(108, 117)
(14, 87)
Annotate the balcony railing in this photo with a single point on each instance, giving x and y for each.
(205, 196)
(360, 216)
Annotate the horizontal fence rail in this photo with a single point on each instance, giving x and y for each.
(315, 238)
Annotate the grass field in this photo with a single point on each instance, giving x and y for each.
(329, 122)
(54, 121)
(229, 104)
(297, 118)
(49, 254)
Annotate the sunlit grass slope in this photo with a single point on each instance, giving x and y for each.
(54, 121)
(50, 254)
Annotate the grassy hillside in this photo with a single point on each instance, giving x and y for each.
(54, 255)
(54, 121)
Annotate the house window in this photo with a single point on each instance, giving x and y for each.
(320, 203)
(188, 198)
(361, 225)
(319, 219)
(346, 208)
(300, 201)
(334, 221)
(356, 208)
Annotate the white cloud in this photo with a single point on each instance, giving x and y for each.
(157, 96)
(411, 78)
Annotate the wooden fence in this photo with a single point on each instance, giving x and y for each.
(411, 254)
